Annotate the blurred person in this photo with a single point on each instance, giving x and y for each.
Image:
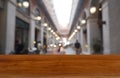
(77, 47)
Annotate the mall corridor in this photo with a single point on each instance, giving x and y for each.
(59, 38)
(43, 26)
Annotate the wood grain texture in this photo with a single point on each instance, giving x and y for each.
(60, 66)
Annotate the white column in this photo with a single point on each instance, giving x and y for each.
(92, 31)
(32, 32)
(82, 41)
(106, 28)
(42, 32)
(10, 27)
(79, 35)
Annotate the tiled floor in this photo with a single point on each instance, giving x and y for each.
(67, 51)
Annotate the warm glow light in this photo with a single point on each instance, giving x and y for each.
(93, 10)
(38, 18)
(78, 27)
(26, 4)
(83, 22)
(55, 46)
(20, 4)
(49, 28)
(45, 24)
(51, 45)
(52, 31)
(100, 9)
(76, 30)
(72, 35)
(57, 38)
(60, 44)
(34, 42)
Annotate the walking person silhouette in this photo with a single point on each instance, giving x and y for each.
(77, 47)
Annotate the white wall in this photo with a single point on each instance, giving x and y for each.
(32, 33)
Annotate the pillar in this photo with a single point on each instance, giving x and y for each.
(111, 31)
(10, 26)
(106, 28)
(42, 32)
(79, 35)
(32, 32)
(82, 41)
(92, 31)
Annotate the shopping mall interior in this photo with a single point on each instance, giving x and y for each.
(55, 27)
(59, 38)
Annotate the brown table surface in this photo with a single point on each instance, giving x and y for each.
(59, 66)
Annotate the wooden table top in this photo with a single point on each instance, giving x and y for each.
(60, 66)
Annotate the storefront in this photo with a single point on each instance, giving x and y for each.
(21, 32)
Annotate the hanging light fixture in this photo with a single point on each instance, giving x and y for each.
(93, 10)
(19, 4)
(78, 27)
(49, 28)
(45, 24)
(55, 46)
(34, 42)
(83, 21)
(52, 31)
(76, 30)
(38, 18)
(26, 4)
(100, 9)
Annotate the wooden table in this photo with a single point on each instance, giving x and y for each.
(59, 66)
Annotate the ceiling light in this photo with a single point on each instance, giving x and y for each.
(78, 27)
(45, 24)
(26, 4)
(83, 22)
(100, 9)
(51, 45)
(93, 10)
(38, 18)
(54, 33)
(49, 28)
(60, 44)
(55, 46)
(56, 38)
(76, 30)
(19, 4)
(34, 42)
